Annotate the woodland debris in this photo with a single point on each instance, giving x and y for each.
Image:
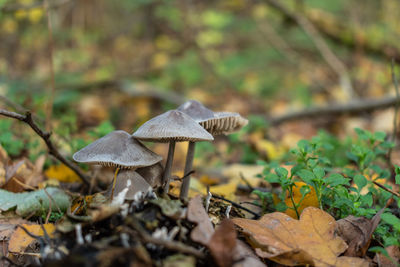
(310, 240)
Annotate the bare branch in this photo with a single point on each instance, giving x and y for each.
(351, 107)
(330, 58)
(27, 118)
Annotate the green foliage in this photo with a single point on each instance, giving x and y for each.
(12, 145)
(343, 186)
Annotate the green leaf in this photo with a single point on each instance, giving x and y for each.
(306, 175)
(319, 172)
(304, 190)
(282, 172)
(35, 202)
(336, 179)
(380, 136)
(379, 250)
(392, 220)
(272, 178)
(397, 179)
(360, 181)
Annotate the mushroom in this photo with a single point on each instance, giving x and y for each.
(216, 123)
(117, 149)
(152, 174)
(171, 126)
(133, 181)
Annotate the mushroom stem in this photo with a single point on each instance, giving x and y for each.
(114, 180)
(168, 166)
(188, 167)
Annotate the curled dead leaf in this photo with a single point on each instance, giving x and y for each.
(20, 240)
(310, 240)
(223, 243)
(197, 214)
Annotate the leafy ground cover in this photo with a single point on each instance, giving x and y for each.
(312, 179)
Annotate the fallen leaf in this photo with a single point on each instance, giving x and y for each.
(310, 200)
(310, 240)
(244, 256)
(35, 202)
(62, 173)
(20, 240)
(357, 232)
(197, 214)
(393, 261)
(170, 208)
(223, 243)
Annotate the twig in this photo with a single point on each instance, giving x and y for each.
(27, 118)
(52, 89)
(396, 110)
(246, 182)
(256, 215)
(330, 58)
(172, 245)
(339, 32)
(351, 107)
(387, 189)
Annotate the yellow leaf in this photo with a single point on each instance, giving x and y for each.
(249, 172)
(62, 173)
(35, 15)
(9, 25)
(310, 200)
(228, 190)
(20, 240)
(308, 241)
(159, 60)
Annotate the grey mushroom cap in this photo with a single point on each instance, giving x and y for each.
(196, 110)
(172, 125)
(136, 184)
(224, 123)
(118, 149)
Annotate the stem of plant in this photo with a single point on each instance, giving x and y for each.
(114, 181)
(188, 167)
(168, 166)
(294, 204)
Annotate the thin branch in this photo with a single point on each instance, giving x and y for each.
(386, 189)
(256, 215)
(27, 118)
(330, 58)
(396, 110)
(351, 107)
(52, 89)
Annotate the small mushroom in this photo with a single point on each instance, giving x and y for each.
(216, 123)
(152, 174)
(171, 126)
(224, 123)
(117, 149)
(133, 181)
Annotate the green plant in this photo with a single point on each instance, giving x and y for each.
(342, 174)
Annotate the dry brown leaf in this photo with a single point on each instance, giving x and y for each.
(223, 243)
(394, 254)
(20, 240)
(357, 232)
(310, 240)
(197, 214)
(244, 256)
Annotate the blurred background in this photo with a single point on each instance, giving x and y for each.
(86, 67)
